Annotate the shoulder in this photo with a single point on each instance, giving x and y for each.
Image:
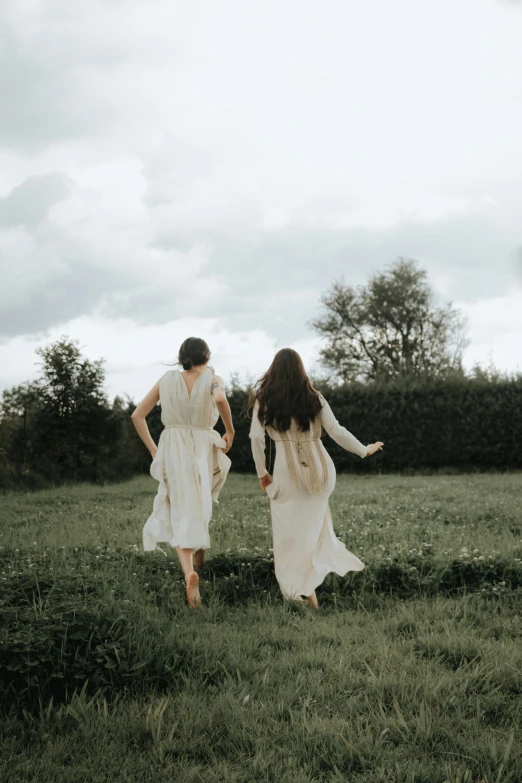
(168, 377)
(217, 378)
(217, 382)
(217, 386)
(211, 373)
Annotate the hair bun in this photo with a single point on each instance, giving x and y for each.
(193, 353)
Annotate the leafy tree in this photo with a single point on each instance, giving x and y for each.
(61, 425)
(74, 425)
(17, 409)
(390, 328)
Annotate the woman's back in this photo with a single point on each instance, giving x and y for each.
(180, 407)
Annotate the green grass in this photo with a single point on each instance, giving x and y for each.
(411, 671)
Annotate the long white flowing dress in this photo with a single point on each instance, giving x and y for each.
(306, 548)
(190, 465)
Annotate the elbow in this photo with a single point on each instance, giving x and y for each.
(135, 415)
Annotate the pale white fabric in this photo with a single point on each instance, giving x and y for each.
(306, 548)
(190, 465)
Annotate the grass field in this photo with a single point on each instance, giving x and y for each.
(411, 670)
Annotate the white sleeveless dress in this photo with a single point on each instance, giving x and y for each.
(190, 465)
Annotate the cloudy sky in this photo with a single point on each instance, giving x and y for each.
(172, 168)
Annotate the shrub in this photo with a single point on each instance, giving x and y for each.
(463, 423)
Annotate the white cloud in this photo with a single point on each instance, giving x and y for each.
(137, 356)
(495, 331)
(224, 161)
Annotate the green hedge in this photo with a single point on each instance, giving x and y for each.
(465, 424)
(461, 424)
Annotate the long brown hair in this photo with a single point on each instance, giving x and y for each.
(284, 393)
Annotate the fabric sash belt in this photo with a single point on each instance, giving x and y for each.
(292, 440)
(187, 427)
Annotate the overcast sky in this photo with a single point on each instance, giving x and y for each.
(207, 168)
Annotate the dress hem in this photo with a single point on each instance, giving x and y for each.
(317, 579)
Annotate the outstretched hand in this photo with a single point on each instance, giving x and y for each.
(373, 447)
(265, 481)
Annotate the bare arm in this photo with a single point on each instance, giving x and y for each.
(218, 391)
(139, 418)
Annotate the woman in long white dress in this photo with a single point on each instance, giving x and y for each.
(190, 461)
(293, 413)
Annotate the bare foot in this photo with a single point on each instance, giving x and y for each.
(198, 559)
(311, 600)
(193, 596)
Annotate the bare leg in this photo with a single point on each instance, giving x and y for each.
(186, 561)
(191, 578)
(311, 600)
(199, 559)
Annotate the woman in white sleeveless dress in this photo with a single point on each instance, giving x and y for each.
(286, 405)
(189, 461)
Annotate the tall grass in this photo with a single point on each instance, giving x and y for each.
(411, 670)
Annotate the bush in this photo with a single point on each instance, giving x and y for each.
(64, 633)
(52, 653)
(60, 636)
(464, 424)
(460, 424)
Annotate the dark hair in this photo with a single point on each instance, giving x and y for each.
(193, 352)
(285, 393)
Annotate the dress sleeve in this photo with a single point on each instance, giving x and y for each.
(339, 433)
(257, 441)
(164, 382)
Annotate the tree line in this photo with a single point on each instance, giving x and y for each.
(391, 368)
